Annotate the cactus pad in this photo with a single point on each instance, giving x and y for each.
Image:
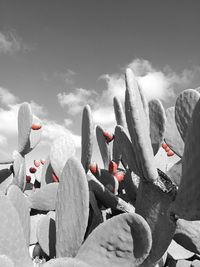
(87, 137)
(119, 113)
(124, 240)
(72, 209)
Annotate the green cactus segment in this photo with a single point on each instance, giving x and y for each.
(119, 112)
(137, 122)
(172, 135)
(61, 150)
(72, 209)
(19, 202)
(35, 136)
(129, 155)
(187, 235)
(86, 137)
(175, 172)
(5, 158)
(34, 220)
(13, 243)
(95, 215)
(4, 174)
(152, 203)
(6, 261)
(5, 184)
(46, 234)
(144, 104)
(44, 198)
(25, 118)
(178, 252)
(103, 147)
(157, 123)
(116, 151)
(19, 170)
(107, 198)
(66, 262)
(185, 104)
(108, 179)
(131, 184)
(124, 240)
(46, 175)
(187, 203)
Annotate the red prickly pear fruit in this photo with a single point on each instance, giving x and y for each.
(170, 153)
(167, 149)
(42, 161)
(119, 176)
(112, 167)
(37, 163)
(55, 177)
(93, 168)
(28, 178)
(36, 127)
(164, 146)
(32, 170)
(108, 136)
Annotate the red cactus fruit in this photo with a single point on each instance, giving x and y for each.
(170, 153)
(167, 149)
(55, 177)
(119, 176)
(108, 136)
(164, 146)
(32, 169)
(42, 161)
(93, 168)
(37, 163)
(28, 178)
(36, 127)
(112, 168)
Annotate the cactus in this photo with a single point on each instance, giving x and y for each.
(6, 261)
(61, 150)
(172, 135)
(20, 203)
(87, 138)
(46, 175)
(72, 209)
(44, 198)
(157, 124)
(46, 234)
(185, 104)
(12, 238)
(187, 201)
(119, 113)
(127, 243)
(103, 147)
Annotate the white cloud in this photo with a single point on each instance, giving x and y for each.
(6, 97)
(66, 76)
(75, 101)
(51, 130)
(9, 43)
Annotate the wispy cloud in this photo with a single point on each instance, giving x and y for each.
(76, 100)
(10, 42)
(8, 119)
(67, 76)
(6, 97)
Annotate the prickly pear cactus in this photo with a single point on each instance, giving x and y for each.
(61, 150)
(125, 240)
(20, 203)
(19, 170)
(72, 209)
(119, 112)
(87, 137)
(13, 243)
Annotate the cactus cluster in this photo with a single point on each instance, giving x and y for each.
(131, 212)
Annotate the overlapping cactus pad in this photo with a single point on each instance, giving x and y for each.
(141, 208)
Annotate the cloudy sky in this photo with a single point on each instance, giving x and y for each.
(61, 55)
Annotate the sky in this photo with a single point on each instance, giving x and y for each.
(61, 55)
